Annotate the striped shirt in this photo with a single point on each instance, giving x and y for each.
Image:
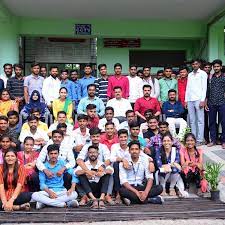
(15, 86)
(101, 89)
(21, 179)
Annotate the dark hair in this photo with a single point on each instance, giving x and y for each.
(57, 132)
(153, 118)
(134, 124)
(53, 67)
(4, 118)
(64, 71)
(61, 112)
(93, 146)
(117, 87)
(7, 64)
(18, 66)
(168, 67)
(162, 150)
(53, 147)
(146, 67)
(94, 131)
(210, 64)
(183, 68)
(129, 111)
(196, 60)
(6, 170)
(172, 90)
(61, 125)
(34, 110)
(91, 106)
(82, 117)
(133, 65)
(32, 117)
(122, 131)
(134, 143)
(117, 65)
(163, 123)
(140, 71)
(28, 139)
(146, 86)
(5, 136)
(101, 65)
(13, 113)
(87, 65)
(109, 123)
(217, 61)
(109, 108)
(159, 71)
(63, 88)
(148, 111)
(5, 90)
(91, 85)
(197, 155)
(72, 71)
(34, 64)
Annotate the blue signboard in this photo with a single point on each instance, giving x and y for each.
(83, 29)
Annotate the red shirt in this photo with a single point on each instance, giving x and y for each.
(93, 122)
(107, 142)
(182, 84)
(142, 104)
(123, 82)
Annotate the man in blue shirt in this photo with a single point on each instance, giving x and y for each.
(74, 78)
(91, 99)
(174, 110)
(53, 192)
(85, 81)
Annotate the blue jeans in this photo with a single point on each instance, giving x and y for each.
(196, 116)
(213, 111)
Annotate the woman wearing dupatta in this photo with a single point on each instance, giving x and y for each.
(63, 104)
(35, 102)
(6, 104)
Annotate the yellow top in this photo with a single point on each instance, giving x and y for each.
(41, 125)
(6, 106)
(58, 105)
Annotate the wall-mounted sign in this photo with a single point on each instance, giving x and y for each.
(122, 42)
(83, 29)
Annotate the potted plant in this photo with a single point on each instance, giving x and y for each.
(212, 172)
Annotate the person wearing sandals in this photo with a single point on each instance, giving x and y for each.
(168, 163)
(53, 193)
(12, 178)
(191, 162)
(95, 184)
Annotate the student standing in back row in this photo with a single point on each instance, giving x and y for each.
(118, 80)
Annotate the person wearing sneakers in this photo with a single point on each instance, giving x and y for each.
(134, 188)
(168, 163)
(94, 180)
(53, 193)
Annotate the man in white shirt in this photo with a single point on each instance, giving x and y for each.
(134, 190)
(119, 104)
(65, 153)
(135, 85)
(153, 82)
(51, 86)
(40, 136)
(109, 117)
(8, 72)
(61, 118)
(96, 185)
(195, 100)
(81, 134)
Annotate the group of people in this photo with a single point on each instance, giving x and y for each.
(112, 139)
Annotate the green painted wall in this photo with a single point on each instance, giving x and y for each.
(110, 56)
(9, 50)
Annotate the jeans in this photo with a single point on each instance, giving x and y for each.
(196, 116)
(213, 111)
(191, 177)
(155, 191)
(60, 201)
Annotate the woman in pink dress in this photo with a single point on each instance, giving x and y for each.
(28, 159)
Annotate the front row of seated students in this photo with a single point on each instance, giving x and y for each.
(132, 171)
